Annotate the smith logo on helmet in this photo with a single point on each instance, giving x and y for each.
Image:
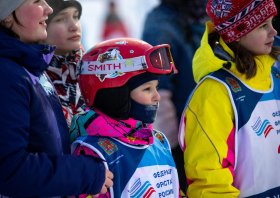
(113, 66)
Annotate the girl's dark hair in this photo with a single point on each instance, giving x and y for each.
(8, 31)
(244, 59)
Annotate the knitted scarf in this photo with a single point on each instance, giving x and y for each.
(62, 72)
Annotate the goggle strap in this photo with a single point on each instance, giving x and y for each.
(112, 66)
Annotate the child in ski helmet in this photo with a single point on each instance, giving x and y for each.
(118, 79)
(229, 129)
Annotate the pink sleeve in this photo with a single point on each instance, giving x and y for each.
(85, 150)
(229, 161)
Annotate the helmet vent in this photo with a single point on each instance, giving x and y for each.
(94, 53)
(111, 49)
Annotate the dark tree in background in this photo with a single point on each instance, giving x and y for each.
(276, 22)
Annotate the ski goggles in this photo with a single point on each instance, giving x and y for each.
(156, 60)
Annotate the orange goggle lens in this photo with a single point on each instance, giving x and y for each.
(161, 58)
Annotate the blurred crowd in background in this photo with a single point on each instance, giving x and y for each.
(131, 14)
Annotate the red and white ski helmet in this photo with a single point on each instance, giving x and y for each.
(113, 62)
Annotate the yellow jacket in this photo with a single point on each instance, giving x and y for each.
(209, 125)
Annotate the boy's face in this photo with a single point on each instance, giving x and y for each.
(260, 40)
(64, 31)
(146, 94)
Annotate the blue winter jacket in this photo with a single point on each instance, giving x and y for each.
(35, 158)
(166, 25)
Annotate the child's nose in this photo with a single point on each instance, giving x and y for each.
(273, 32)
(73, 25)
(156, 97)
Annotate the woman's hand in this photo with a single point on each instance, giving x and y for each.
(107, 184)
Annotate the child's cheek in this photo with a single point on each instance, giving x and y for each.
(58, 34)
(146, 99)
